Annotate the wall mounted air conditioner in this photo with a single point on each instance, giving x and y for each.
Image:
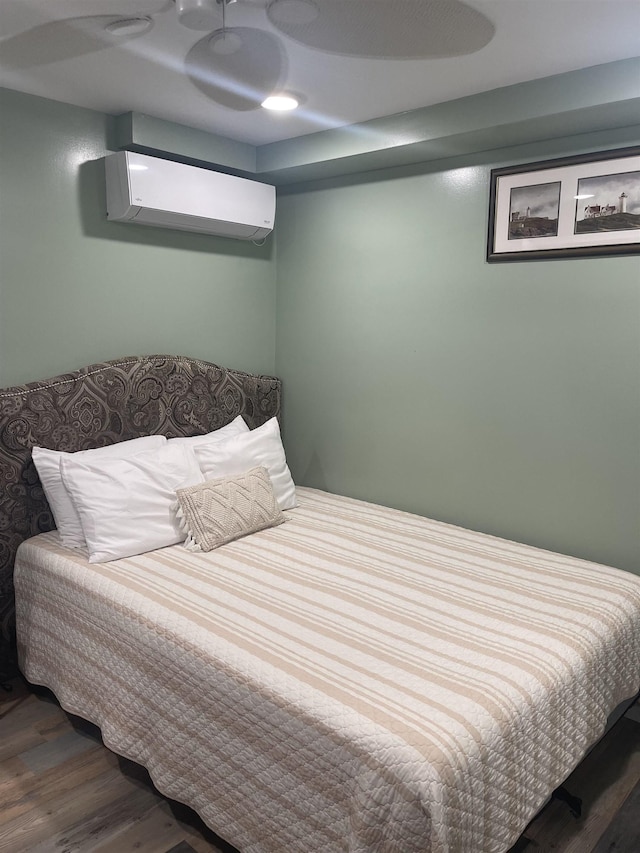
(151, 191)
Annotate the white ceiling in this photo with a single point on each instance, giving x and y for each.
(59, 49)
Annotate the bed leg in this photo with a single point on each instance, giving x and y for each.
(574, 803)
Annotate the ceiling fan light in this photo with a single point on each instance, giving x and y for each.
(197, 14)
(225, 42)
(129, 26)
(280, 102)
(292, 11)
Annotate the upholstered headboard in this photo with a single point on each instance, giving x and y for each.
(103, 404)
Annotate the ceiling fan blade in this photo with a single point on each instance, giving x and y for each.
(59, 40)
(384, 29)
(237, 67)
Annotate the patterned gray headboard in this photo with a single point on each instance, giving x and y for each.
(103, 404)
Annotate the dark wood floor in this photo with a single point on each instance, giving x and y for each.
(62, 791)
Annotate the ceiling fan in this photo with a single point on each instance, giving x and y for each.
(253, 61)
(236, 66)
(375, 29)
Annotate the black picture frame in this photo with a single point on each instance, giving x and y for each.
(543, 210)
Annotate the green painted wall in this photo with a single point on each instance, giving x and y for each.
(505, 398)
(75, 289)
(502, 397)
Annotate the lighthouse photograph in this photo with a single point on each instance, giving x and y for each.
(608, 203)
(533, 211)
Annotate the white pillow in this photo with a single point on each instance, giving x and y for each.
(261, 446)
(47, 464)
(236, 427)
(126, 505)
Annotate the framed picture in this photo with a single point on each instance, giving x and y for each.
(584, 207)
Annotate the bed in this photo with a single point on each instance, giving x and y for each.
(354, 679)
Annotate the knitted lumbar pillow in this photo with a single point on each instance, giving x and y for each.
(218, 511)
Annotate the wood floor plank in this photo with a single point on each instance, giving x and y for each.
(17, 789)
(156, 830)
(12, 745)
(52, 752)
(62, 813)
(77, 771)
(32, 707)
(93, 829)
(20, 722)
(623, 834)
(11, 772)
(53, 727)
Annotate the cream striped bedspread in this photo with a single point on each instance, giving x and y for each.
(357, 679)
